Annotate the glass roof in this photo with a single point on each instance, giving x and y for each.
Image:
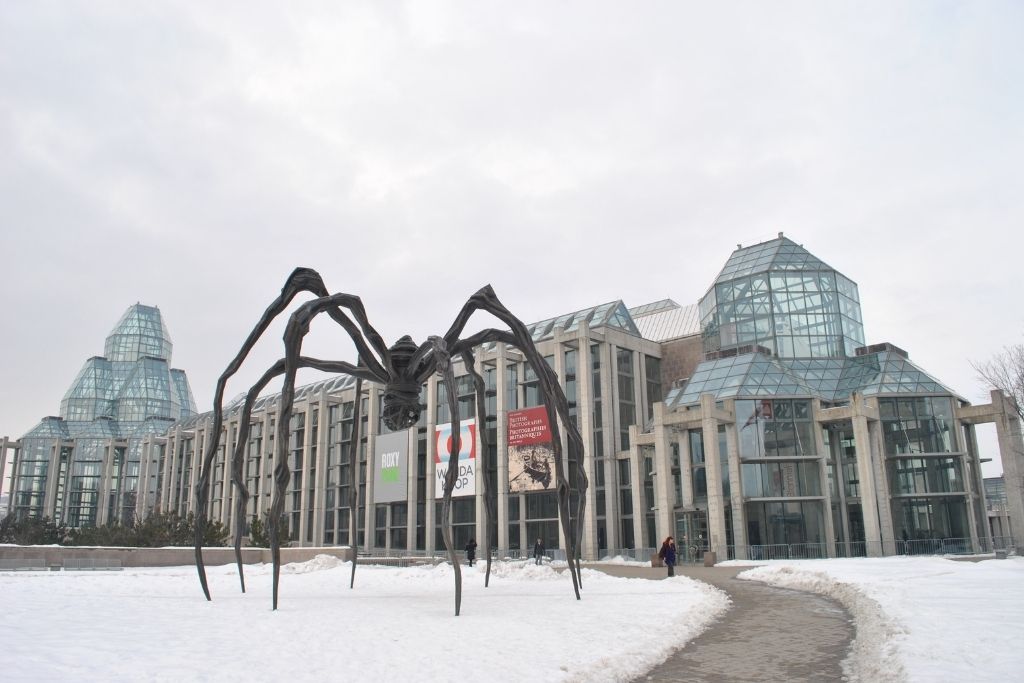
(132, 383)
(778, 254)
(755, 374)
(612, 314)
(140, 332)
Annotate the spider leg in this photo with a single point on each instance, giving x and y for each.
(489, 495)
(300, 280)
(444, 368)
(238, 458)
(295, 332)
(555, 403)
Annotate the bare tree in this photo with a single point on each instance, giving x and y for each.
(1005, 372)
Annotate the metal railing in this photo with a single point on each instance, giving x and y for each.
(91, 564)
(23, 565)
(400, 557)
(779, 551)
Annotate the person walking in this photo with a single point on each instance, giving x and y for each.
(471, 551)
(538, 552)
(668, 555)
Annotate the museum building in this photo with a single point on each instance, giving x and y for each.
(756, 423)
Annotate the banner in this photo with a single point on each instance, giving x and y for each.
(465, 480)
(391, 467)
(531, 458)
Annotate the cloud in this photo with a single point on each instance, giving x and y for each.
(189, 156)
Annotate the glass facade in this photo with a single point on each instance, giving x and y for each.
(778, 296)
(124, 396)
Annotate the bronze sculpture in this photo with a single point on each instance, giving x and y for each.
(401, 369)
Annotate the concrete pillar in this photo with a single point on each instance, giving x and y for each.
(717, 540)
(479, 500)
(3, 464)
(869, 494)
(664, 499)
(106, 484)
(610, 443)
(52, 477)
(373, 420)
(322, 452)
(739, 517)
(685, 468)
(501, 368)
(636, 490)
(882, 487)
(429, 507)
(584, 409)
(823, 459)
(1011, 453)
(307, 452)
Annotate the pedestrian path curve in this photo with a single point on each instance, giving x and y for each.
(768, 634)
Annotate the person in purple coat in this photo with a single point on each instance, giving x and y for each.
(668, 555)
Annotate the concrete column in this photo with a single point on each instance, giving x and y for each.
(685, 469)
(170, 469)
(977, 482)
(479, 501)
(15, 460)
(823, 460)
(3, 464)
(739, 517)
(105, 486)
(636, 489)
(198, 450)
(431, 490)
(882, 487)
(663, 484)
(717, 540)
(229, 492)
(410, 488)
(1011, 452)
(373, 420)
(322, 451)
(869, 493)
(584, 408)
(307, 452)
(502, 463)
(610, 443)
(559, 368)
(52, 480)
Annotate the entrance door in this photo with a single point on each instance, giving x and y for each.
(691, 534)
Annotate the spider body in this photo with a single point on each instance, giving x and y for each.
(401, 369)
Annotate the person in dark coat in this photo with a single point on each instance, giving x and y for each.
(668, 555)
(471, 551)
(538, 552)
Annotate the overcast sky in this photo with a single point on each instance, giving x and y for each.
(190, 155)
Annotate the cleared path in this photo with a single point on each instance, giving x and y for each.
(769, 634)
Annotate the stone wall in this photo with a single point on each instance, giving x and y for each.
(679, 358)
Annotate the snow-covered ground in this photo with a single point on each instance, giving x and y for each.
(918, 619)
(921, 618)
(396, 625)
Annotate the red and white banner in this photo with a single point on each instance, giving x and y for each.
(465, 479)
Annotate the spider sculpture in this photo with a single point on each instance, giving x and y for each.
(401, 369)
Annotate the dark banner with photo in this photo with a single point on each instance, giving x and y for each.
(465, 479)
(531, 458)
(391, 467)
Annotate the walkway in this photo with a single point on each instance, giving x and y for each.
(769, 634)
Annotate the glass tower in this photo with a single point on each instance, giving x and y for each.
(93, 448)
